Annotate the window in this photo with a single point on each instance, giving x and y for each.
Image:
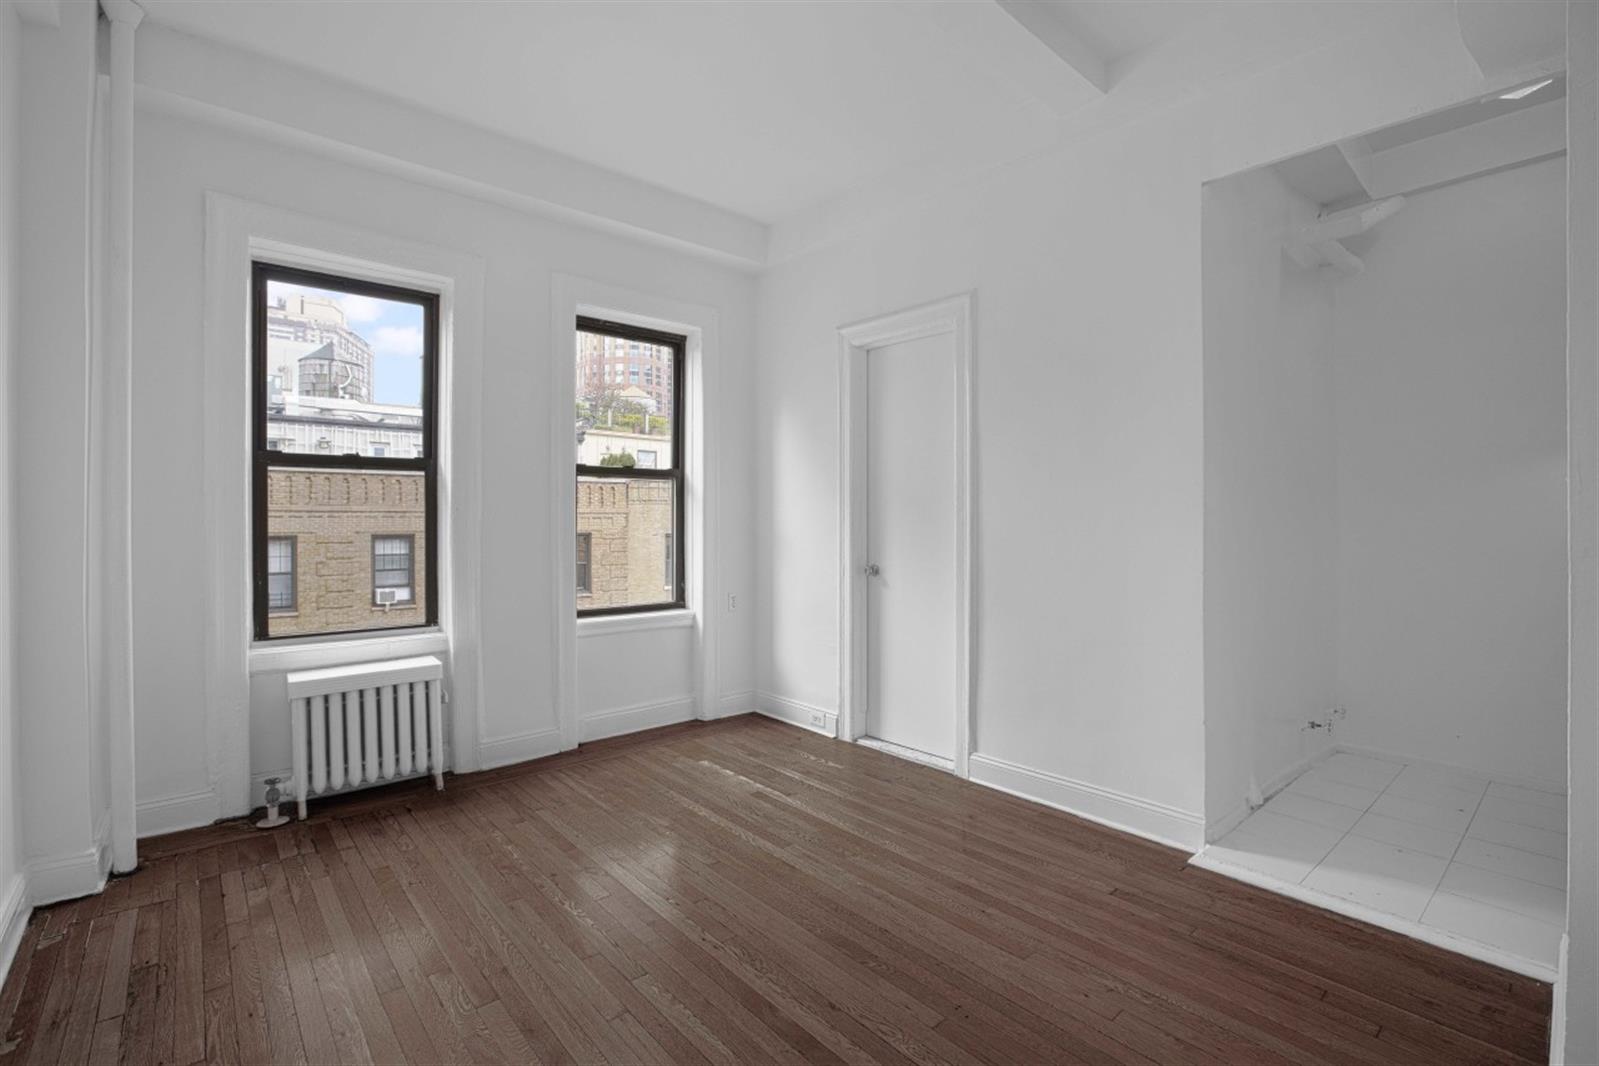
(391, 571)
(344, 424)
(280, 574)
(629, 469)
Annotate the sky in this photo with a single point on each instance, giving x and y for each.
(392, 328)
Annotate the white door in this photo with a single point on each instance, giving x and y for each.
(910, 597)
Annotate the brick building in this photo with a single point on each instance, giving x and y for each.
(624, 543)
(346, 551)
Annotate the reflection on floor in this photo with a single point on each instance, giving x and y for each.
(1452, 851)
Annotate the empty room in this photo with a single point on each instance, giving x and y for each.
(777, 531)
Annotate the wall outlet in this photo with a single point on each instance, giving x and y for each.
(732, 601)
(818, 719)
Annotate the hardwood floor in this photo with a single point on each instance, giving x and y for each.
(735, 892)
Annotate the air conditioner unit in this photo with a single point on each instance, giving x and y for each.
(388, 597)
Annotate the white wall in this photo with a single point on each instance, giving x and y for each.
(63, 825)
(12, 902)
(1270, 495)
(178, 160)
(1450, 363)
(1085, 263)
(1575, 1037)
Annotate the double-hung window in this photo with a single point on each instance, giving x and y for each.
(344, 475)
(629, 469)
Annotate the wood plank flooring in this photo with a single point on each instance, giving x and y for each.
(738, 892)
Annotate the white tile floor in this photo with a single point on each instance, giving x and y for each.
(1477, 858)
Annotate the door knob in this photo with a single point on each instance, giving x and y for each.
(872, 570)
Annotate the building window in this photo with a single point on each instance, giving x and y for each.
(280, 574)
(392, 574)
(344, 381)
(629, 469)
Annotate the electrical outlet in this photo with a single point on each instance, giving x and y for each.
(732, 601)
(818, 719)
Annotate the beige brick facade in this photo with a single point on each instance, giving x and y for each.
(333, 516)
(628, 523)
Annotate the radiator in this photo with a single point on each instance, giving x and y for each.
(354, 726)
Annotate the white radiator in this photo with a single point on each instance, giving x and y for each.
(356, 725)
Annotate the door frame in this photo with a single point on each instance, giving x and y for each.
(952, 315)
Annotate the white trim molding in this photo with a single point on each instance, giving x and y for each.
(237, 232)
(14, 911)
(570, 297)
(496, 752)
(174, 813)
(68, 876)
(733, 704)
(794, 712)
(605, 624)
(1159, 822)
(620, 721)
(952, 315)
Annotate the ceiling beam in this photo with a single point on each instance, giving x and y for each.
(1025, 45)
(1042, 22)
(1518, 137)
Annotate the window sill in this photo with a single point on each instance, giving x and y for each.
(634, 623)
(312, 654)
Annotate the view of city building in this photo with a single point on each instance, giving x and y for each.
(637, 370)
(346, 548)
(626, 526)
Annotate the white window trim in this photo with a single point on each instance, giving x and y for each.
(601, 625)
(572, 297)
(237, 232)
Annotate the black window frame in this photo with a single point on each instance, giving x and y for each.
(264, 459)
(410, 568)
(675, 473)
(585, 563)
(293, 605)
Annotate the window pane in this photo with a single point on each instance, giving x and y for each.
(624, 402)
(356, 532)
(343, 372)
(628, 523)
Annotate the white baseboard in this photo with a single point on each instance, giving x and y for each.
(1350, 909)
(14, 911)
(816, 719)
(624, 720)
(735, 703)
(503, 751)
(1130, 814)
(169, 815)
(68, 876)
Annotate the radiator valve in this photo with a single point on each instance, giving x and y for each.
(273, 819)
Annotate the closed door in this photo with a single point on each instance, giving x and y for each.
(911, 545)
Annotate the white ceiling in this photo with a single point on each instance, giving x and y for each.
(761, 107)
(1121, 29)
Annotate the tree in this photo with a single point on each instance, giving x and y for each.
(618, 459)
